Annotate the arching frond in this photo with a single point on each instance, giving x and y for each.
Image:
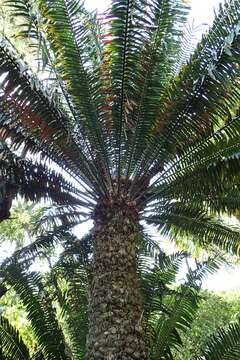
(204, 153)
(40, 312)
(159, 56)
(32, 111)
(34, 181)
(174, 310)
(73, 269)
(224, 344)
(23, 9)
(180, 219)
(200, 99)
(11, 343)
(42, 245)
(69, 38)
(61, 215)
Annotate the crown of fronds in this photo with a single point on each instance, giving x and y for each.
(124, 111)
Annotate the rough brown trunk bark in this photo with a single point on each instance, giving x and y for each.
(115, 311)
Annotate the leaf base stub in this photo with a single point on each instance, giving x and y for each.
(115, 309)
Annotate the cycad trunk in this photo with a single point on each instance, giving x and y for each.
(115, 311)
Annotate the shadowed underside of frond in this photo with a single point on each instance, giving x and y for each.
(127, 80)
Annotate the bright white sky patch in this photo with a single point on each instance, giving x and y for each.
(202, 10)
(225, 279)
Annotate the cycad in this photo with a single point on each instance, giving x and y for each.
(136, 132)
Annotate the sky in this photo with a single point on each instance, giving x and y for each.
(202, 10)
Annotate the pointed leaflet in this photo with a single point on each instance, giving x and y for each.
(213, 160)
(69, 40)
(177, 310)
(40, 312)
(197, 102)
(12, 346)
(30, 110)
(34, 181)
(179, 219)
(72, 268)
(156, 66)
(223, 345)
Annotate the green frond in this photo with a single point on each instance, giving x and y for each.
(32, 111)
(23, 10)
(130, 121)
(34, 181)
(224, 344)
(220, 202)
(205, 171)
(203, 269)
(179, 219)
(160, 53)
(127, 21)
(155, 280)
(42, 245)
(68, 35)
(30, 31)
(147, 245)
(200, 99)
(72, 268)
(144, 37)
(205, 185)
(40, 312)
(181, 313)
(169, 309)
(61, 215)
(227, 203)
(188, 40)
(220, 144)
(38, 355)
(172, 311)
(11, 344)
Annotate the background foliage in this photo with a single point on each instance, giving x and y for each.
(215, 311)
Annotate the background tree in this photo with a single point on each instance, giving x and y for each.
(19, 229)
(216, 310)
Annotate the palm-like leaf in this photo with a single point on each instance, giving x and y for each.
(202, 107)
(172, 311)
(40, 246)
(68, 37)
(12, 346)
(33, 181)
(183, 220)
(60, 215)
(72, 268)
(223, 345)
(40, 312)
(25, 104)
(118, 112)
(167, 311)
